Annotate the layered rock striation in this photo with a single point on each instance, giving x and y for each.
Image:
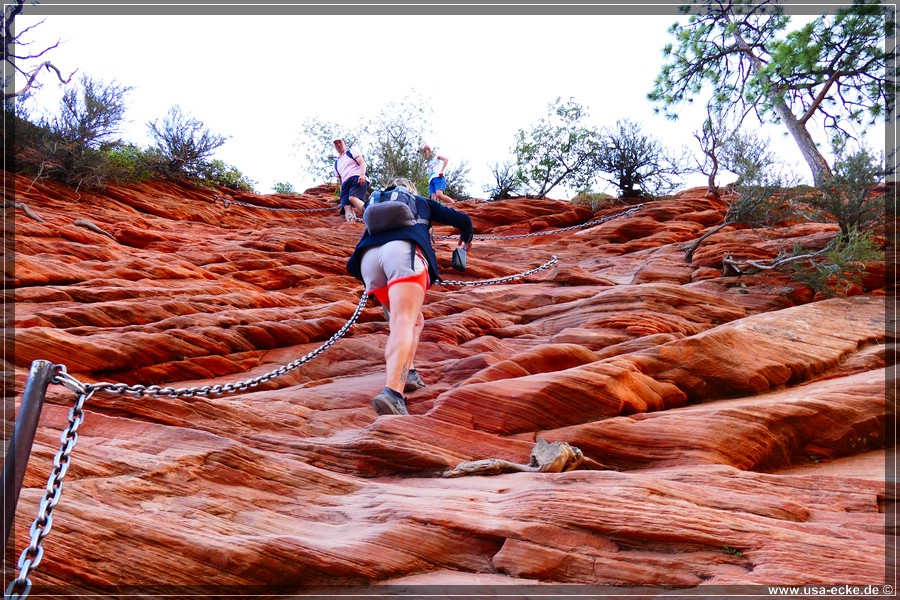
(733, 428)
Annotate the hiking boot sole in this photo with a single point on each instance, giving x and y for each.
(385, 405)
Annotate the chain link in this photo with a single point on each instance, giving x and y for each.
(546, 265)
(31, 556)
(226, 202)
(228, 388)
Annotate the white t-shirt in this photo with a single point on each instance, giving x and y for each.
(348, 167)
(434, 167)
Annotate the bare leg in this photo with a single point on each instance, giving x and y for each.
(355, 205)
(442, 197)
(406, 300)
(420, 325)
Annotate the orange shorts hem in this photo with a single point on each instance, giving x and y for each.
(421, 278)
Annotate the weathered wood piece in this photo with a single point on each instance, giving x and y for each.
(557, 457)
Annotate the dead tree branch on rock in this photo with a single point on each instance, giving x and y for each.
(24, 207)
(89, 225)
(832, 270)
(557, 457)
(741, 267)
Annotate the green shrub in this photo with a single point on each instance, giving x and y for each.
(507, 183)
(837, 268)
(186, 145)
(128, 163)
(850, 196)
(219, 173)
(283, 187)
(594, 200)
(76, 146)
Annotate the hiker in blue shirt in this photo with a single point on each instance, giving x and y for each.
(351, 173)
(398, 264)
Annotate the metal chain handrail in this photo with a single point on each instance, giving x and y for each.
(546, 265)
(627, 212)
(227, 388)
(226, 202)
(31, 556)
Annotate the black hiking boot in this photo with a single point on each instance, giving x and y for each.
(413, 381)
(389, 402)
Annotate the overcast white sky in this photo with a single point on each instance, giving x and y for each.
(256, 78)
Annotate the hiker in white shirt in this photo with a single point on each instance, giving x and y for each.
(351, 172)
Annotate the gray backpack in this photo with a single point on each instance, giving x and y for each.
(391, 209)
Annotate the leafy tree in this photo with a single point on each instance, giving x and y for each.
(18, 56)
(390, 142)
(725, 146)
(560, 149)
(395, 139)
(183, 142)
(90, 114)
(637, 163)
(711, 136)
(315, 141)
(835, 68)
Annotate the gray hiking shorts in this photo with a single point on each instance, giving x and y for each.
(399, 260)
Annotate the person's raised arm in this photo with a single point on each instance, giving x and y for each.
(444, 162)
(460, 220)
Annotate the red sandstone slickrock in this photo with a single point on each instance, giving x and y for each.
(733, 428)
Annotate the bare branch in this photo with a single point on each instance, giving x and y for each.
(774, 263)
(32, 76)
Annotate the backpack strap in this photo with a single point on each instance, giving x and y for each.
(426, 222)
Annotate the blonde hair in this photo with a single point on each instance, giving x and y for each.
(404, 182)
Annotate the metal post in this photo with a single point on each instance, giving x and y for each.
(19, 449)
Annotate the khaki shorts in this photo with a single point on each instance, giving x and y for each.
(393, 262)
